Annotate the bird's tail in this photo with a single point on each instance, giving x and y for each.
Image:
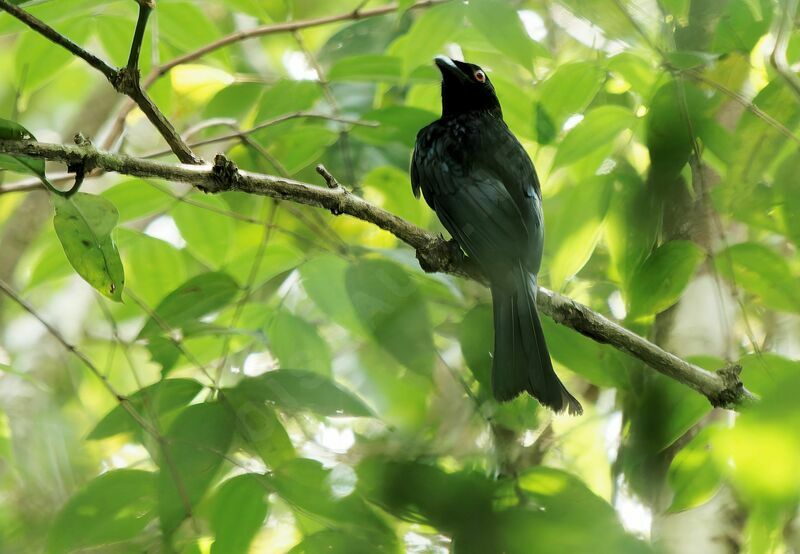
(521, 360)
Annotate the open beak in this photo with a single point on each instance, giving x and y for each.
(448, 68)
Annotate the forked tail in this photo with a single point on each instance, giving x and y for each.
(521, 360)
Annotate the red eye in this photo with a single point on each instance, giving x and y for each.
(480, 76)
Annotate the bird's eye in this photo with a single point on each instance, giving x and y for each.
(480, 76)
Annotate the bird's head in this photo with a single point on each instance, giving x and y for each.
(465, 88)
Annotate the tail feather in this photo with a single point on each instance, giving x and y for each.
(521, 360)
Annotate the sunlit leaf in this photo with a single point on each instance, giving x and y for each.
(490, 15)
(574, 225)
(597, 129)
(569, 89)
(237, 511)
(693, 476)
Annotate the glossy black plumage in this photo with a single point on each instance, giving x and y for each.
(481, 183)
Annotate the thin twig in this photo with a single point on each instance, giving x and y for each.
(722, 388)
(329, 179)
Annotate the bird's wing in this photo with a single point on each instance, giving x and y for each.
(506, 158)
(476, 208)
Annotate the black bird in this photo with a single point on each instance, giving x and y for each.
(481, 183)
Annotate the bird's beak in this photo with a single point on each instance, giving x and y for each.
(448, 68)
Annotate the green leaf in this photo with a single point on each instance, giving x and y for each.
(318, 492)
(667, 409)
(544, 125)
(427, 35)
(9, 130)
(238, 510)
(260, 427)
(38, 60)
(388, 187)
(324, 281)
(598, 129)
(599, 364)
(287, 96)
(153, 267)
(295, 389)
(297, 344)
(658, 283)
(193, 452)
(298, 145)
(208, 234)
(693, 475)
(235, 101)
(394, 312)
(632, 226)
(762, 371)
(334, 541)
(638, 71)
(676, 116)
(476, 336)
(197, 297)
(157, 399)
(135, 199)
(83, 224)
(397, 124)
(369, 67)
(569, 89)
(761, 272)
(112, 508)
(275, 260)
(499, 22)
(787, 185)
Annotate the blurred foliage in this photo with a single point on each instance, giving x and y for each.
(305, 386)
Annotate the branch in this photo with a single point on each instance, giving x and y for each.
(239, 36)
(124, 80)
(284, 27)
(723, 388)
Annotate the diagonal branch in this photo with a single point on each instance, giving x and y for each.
(722, 388)
(124, 80)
